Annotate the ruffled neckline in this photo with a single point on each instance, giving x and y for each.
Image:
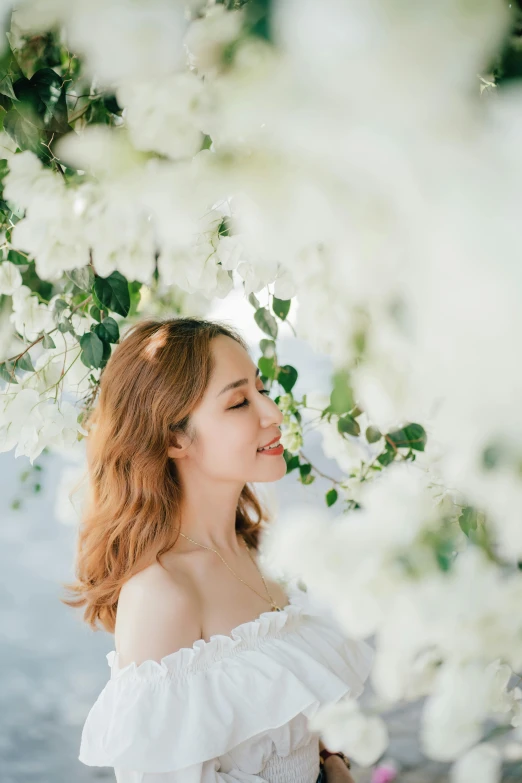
(266, 673)
(248, 635)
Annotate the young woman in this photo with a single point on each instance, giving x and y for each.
(216, 669)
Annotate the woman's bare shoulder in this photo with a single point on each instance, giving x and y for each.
(158, 612)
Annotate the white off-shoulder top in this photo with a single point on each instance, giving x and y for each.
(235, 708)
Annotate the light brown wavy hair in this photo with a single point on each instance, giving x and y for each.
(154, 378)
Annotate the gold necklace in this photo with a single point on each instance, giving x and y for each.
(274, 606)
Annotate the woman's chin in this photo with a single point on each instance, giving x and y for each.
(272, 472)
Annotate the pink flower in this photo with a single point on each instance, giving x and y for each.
(384, 773)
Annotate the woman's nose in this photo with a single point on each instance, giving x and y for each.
(274, 415)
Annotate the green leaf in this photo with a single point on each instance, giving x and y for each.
(82, 277)
(287, 377)
(348, 425)
(305, 468)
(331, 497)
(225, 229)
(413, 436)
(135, 296)
(59, 306)
(25, 363)
(268, 348)
(258, 21)
(113, 292)
(106, 353)
(48, 341)
(24, 134)
(386, 457)
(107, 330)
(6, 87)
(252, 298)
(292, 461)
(7, 371)
(41, 100)
(373, 434)
(111, 104)
(492, 455)
(39, 112)
(37, 51)
(6, 82)
(341, 398)
(65, 325)
(97, 313)
(266, 321)
(267, 366)
(444, 553)
(468, 520)
(281, 307)
(17, 258)
(92, 349)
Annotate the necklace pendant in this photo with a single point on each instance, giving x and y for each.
(275, 608)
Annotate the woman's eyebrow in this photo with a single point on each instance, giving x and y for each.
(235, 384)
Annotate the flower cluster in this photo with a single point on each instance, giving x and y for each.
(344, 159)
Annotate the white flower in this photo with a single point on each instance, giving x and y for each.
(286, 402)
(229, 252)
(206, 38)
(124, 40)
(344, 727)
(454, 713)
(10, 278)
(499, 674)
(32, 16)
(162, 115)
(28, 182)
(52, 232)
(19, 418)
(125, 239)
(284, 285)
(48, 372)
(516, 719)
(194, 269)
(118, 40)
(29, 316)
(56, 241)
(292, 437)
(106, 152)
(481, 764)
(31, 424)
(257, 273)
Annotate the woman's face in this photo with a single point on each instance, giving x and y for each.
(231, 424)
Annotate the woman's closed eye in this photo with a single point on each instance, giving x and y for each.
(246, 402)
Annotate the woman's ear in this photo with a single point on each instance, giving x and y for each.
(179, 444)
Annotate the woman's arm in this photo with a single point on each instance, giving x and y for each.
(335, 769)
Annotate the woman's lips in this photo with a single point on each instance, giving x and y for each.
(278, 450)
